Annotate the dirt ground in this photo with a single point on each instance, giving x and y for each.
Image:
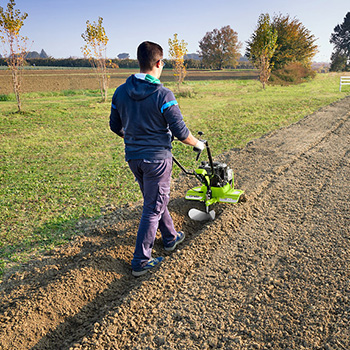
(272, 272)
(57, 80)
(34, 80)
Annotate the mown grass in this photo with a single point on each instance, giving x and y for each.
(59, 162)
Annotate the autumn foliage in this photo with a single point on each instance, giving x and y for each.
(95, 50)
(292, 73)
(220, 48)
(11, 23)
(295, 43)
(177, 52)
(283, 48)
(261, 48)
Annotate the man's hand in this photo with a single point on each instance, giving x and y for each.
(199, 146)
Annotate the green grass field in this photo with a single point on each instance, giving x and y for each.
(59, 162)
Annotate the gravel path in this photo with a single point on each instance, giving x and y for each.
(272, 272)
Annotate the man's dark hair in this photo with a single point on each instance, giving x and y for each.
(148, 54)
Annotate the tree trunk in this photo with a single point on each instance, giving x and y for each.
(16, 86)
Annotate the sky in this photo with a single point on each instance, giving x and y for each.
(56, 25)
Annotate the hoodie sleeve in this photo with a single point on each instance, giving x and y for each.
(172, 114)
(115, 122)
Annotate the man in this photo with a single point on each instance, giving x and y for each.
(147, 116)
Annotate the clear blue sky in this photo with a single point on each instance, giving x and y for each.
(56, 25)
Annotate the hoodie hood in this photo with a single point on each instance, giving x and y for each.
(139, 89)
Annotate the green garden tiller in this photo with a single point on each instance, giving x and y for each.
(217, 185)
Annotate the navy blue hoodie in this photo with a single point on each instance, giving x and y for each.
(147, 115)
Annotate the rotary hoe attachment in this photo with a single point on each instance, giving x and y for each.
(217, 185)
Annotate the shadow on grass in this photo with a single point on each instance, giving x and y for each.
(43, 239)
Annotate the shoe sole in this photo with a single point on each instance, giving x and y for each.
(170, 249)
(139, 273)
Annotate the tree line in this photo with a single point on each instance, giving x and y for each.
(73, 62)
(281, 48)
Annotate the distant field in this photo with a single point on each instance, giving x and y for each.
(35, 80)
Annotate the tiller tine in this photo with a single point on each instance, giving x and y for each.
(199, 215)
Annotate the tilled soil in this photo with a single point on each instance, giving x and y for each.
(268, 273)
(72, 79)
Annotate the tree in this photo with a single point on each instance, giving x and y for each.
(177, 51)
(220, 48)
(261, 47)
(95, 50)
(11, 22)
(340, 38)
(339, 62)
(295, 43)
